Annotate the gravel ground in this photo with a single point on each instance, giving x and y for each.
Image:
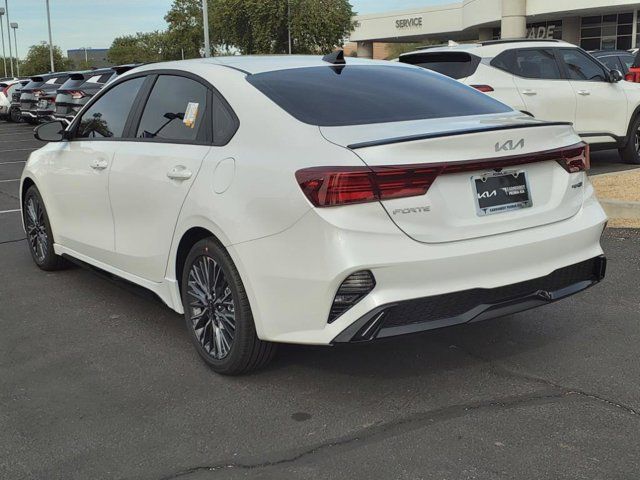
(618, 186)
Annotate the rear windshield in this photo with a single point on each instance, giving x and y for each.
(359, 94)
(452, 64)
(31, 85)
(71, 83)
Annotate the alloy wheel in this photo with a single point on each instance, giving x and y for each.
(637, 140)
(211, 307)
(36, 229)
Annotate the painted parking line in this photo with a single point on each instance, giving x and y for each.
(11, 163)
(12, 180)
(19, 150)
(18, 141)
(9, 211)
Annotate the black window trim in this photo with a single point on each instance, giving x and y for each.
(205, 134)
(563, 77)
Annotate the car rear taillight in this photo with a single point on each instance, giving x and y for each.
(5, 91)
(332, 186)
(483, 88)
(77, 94)
(576, 159)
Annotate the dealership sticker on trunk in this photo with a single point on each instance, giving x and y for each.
(499, 192)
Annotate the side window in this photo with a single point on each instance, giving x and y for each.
(107, 117)
(534, 64)
(175, 109)
(627, 62)
(224, 122)
(611, 63)
(581, 67)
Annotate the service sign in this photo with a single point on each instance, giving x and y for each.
(413, 22)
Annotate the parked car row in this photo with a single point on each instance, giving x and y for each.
(53, 96)
(549, 80)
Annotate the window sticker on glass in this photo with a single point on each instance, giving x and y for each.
(191, 114)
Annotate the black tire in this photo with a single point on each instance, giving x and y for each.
(218, 314)
(38, 229)
(630, 153)
(14, 115)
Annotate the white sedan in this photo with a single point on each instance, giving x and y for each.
(307, 200)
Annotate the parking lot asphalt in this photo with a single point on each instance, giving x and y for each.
(98, 382)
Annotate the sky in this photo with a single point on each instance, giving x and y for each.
(95, 23)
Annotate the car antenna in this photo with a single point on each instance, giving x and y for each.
(336, 58)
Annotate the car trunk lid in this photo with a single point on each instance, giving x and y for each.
(516, 156)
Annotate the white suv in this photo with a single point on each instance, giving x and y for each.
(550, 80)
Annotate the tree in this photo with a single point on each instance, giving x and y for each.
(261, 26)
(37, 61)
(142, 47)
(185, 30)
(394, 50)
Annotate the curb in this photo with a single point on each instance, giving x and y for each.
(620, 209)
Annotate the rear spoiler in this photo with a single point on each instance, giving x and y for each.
(427, 136)
(120, 69)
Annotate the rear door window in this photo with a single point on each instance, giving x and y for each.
(452, 64)
(530, 63)
(365, 94)
(175, 109)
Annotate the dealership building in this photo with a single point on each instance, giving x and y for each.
(592, 24)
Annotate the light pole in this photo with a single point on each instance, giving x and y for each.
(53, 68)
(4, 55)
(289, 23)
(6, 6)
(14, 25)
(205, 22)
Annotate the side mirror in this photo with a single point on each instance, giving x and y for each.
(616, 76)
(50, 131)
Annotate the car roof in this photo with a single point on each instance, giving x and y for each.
(492, 48)
(252, 64)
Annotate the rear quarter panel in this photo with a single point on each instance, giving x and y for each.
(503, 84)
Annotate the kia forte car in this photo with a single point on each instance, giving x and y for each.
(303, 199)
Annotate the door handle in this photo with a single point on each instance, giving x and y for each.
(529, 92)
(179, 173)
(584, 93)
(99, 164)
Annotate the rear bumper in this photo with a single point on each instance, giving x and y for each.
(291, 289)
(474, 305)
